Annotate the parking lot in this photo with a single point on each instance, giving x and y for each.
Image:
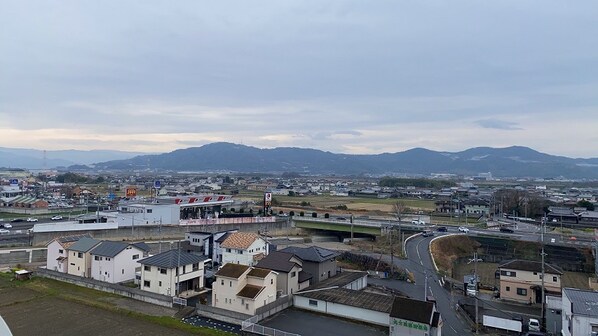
(307, 323)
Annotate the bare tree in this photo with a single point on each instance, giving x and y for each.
(398, 209)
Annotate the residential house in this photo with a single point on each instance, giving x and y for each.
(521, 280)
(580, 312)
(317, 261)
(245, 248)
(291, 277)
(115, 262)
(414, 317)
(477, 207)
(79, 258)
(57, 259)
(554, 314)
(172, 272)
(207, 243)
(243, 289)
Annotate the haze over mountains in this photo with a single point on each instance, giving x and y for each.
(504, 162)
(513, 161)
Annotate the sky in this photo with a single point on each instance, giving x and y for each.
(341, 76)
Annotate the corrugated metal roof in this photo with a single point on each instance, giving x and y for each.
(172, 259)
(84, 244)
(583, 302)
(354, 298)
(339, 280)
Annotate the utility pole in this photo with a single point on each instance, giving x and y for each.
(351, 218)
(475, 278)
(425, 285)
(392, 260)
(543, 254)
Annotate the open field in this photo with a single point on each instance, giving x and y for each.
(48, 307)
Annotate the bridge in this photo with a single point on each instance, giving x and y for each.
(371, 227)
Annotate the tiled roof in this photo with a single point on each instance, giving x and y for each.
(109, 248)
(240, 240)
(312, 253)
(278, 261)
(259, 272)
(172, 259)
(412, 310)
(84, 244)
(232, 270)
(354, 298)
(250, 291)
(530, 266)
(583, 302)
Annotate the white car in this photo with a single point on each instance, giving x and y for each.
(57, 217)
(463, 229)
(7, 226)
(418, 222)
(4, 231)
(31, 219)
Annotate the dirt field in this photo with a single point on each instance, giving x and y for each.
(48, 307)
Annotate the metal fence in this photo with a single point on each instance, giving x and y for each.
(250, 325)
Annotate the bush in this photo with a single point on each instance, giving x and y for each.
(281, 212)
(302, 214)
(304, 203)
(292, 213)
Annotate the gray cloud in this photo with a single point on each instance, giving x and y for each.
(499, 124)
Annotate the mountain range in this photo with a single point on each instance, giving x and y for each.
(515, 161)
(34, 159)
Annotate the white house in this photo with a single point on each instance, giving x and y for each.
(57, 259)
(115, 262)
(580, 312)
(245, 248)
(173, 272)
(243, 289)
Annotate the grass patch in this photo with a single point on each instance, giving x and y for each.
(447, 250)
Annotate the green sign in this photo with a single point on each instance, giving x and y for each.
(410, 324)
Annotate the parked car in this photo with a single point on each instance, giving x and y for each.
(533, 325)
(4, 231)
(58, 217)
(506, 230)
(7, 226)
(463, 229)
(31, 219)
(442, 229)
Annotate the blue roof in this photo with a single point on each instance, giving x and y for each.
(109, 248)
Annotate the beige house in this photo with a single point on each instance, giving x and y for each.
(291, 277)
(79, 257)
(243, 289)
(173, 273)
(521, 280)
(245, 248)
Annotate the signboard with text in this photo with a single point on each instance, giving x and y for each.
(131, 192)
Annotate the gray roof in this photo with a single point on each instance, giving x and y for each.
(312, 253)
(172, 259)
(84, 244)
(354, 298)
(142, 246)
(340, 280)
(109, 248)
(531, 266)
(278, 261)
(583, 302)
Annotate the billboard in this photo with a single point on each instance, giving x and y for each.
(131, 192)
(14, 182)
(157, 184)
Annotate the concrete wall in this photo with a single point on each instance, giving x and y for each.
(350, 312)
(155, 232)
(132, 293)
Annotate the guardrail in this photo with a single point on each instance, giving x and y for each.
(250, 325)
(370, 223)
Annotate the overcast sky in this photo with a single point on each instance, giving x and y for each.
(341, 76)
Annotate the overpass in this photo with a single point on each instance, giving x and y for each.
(370, 226)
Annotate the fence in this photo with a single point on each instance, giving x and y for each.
(250, 325)
(133, 293)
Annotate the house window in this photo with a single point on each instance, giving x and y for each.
(227, 250)
(61, 251)
(242, 301)
(230, 284)
(146, 283)
(554, 279)
(508, 289)
(147, 268)
(313, 303)
(184, 269)
(247, 306)
(96, 257)
(80, 255)
(272, 281)
(123, 271)
(293, 274)
(522, 291)
(107, 259)
(149, 210)
(135, 256)
(240, 251)
(163, 271)
(508, 273)
(222, 282)
(159, 283)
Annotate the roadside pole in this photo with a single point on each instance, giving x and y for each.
(475, 278)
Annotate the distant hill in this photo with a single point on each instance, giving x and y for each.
(501, 162)
(34, 159)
